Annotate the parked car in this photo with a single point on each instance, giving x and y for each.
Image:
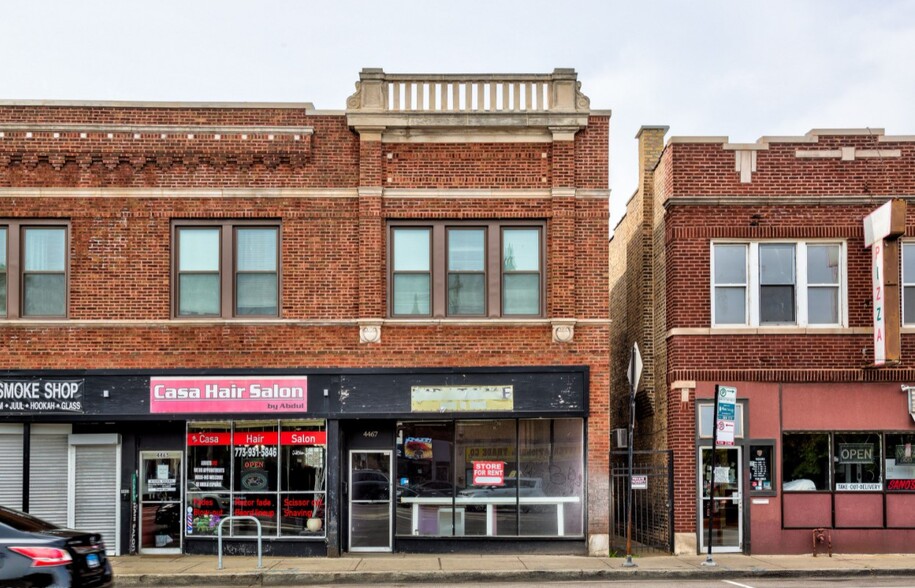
(35, 553)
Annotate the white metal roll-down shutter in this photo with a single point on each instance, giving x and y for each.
(11, 466)
(95, 481)
(48, 465)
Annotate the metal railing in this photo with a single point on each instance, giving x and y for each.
(260, 563)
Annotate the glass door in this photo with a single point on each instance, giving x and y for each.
(160, 501)
(723, 476)
(370, 504)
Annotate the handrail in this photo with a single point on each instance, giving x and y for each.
(259, 539)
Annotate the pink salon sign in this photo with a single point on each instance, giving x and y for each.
(220, 394)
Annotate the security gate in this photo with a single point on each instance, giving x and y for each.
(652, 501)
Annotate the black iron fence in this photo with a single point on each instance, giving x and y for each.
(652, 501)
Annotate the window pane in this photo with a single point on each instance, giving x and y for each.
(730, 306)
(488, 441)
(198, 294)
(198, 250)
(411, 250)
(466, 294)
(857, 461)
(521, 250)
(521, 294)
(3, 293)
(730, 264)
(411, 294)
(256, 249)
(900, 462)
(776, 263)
(909, 304)
(45, 295)
(805, 461)
(2, 271)
(908, 263)
(776, 304)
(823, 306)
(256, 294)
(425, 471)
(705, 421)
(466, 250)
(551, 457)
(822, 264)
(45, 250)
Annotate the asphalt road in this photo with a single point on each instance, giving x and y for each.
(737, 582)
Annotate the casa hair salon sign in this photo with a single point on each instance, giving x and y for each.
(241, 394)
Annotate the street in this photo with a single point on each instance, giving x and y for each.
(737, 582)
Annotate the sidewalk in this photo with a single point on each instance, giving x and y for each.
(401, 568)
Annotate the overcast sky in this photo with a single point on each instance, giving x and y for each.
(742, 69)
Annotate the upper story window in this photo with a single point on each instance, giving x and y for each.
(33, 269)
(226, 269)
(778, 283)
(486, 269)
(908, 283)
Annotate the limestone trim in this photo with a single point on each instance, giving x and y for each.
(458, 193)
(153, 104)
(163, 131)
(786, 200)
(370, 192)
(848, 153)
(563, 330)
(732, 331)
(520, 135)
(599, 194)
(274, 322)
(178, 193)
(370, 330)
(811, 136)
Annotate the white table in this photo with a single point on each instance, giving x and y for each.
(489, 503)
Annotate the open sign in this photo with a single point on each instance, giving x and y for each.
(851, 453)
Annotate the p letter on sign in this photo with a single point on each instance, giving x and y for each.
(882, 228)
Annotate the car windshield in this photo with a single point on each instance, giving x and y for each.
(24, 522)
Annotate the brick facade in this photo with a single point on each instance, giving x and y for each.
(122, 174)
(819, 186)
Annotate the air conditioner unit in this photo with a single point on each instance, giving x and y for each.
(620, 438)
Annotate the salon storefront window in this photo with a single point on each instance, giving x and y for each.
(500, 477)
(271, 470)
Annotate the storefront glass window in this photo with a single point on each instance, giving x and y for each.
(900, 462)
(274, 471)
(503, 477)
(425, 470)
(805, 461)
(550, 454)
(857, 462)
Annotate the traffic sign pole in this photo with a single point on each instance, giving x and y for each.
(634, 373)
(711, 487)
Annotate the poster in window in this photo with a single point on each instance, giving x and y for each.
(760, 463)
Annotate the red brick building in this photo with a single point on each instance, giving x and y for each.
(378, 329)
(746, 266)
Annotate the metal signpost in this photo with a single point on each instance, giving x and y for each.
(722, 434)
(633, 374)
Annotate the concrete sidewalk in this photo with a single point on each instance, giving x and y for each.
(400, 568)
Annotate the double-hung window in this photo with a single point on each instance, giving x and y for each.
(226, 269)
(908, 284)
(33, 269)
(451, 269)
(778, 283)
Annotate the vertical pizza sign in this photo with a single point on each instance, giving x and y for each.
(882, 229)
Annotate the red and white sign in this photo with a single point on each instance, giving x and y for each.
(255, 438)
(243, 394)
(488, 473)
(303, 438)
(204, 439)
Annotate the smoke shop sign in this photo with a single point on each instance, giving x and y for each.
(41, 396)
(242, 394)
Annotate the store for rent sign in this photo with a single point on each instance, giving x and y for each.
(228, 394)
(488, 473)
(41, 396)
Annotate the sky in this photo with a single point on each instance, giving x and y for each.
(702, 67)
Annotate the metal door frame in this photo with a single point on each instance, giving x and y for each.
(703, 530)
(154, 455)
(390, 501)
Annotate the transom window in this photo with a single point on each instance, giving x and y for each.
(486, 269)
(778, 283)
(226, 269)
(33, 269)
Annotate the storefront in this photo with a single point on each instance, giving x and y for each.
(322, 462)
(839, 457)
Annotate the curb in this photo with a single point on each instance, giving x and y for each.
(482, 577)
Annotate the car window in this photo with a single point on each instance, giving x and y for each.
(24, 522)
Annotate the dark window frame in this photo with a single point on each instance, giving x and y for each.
(15, 266)
(493, 270)
(228, 266)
